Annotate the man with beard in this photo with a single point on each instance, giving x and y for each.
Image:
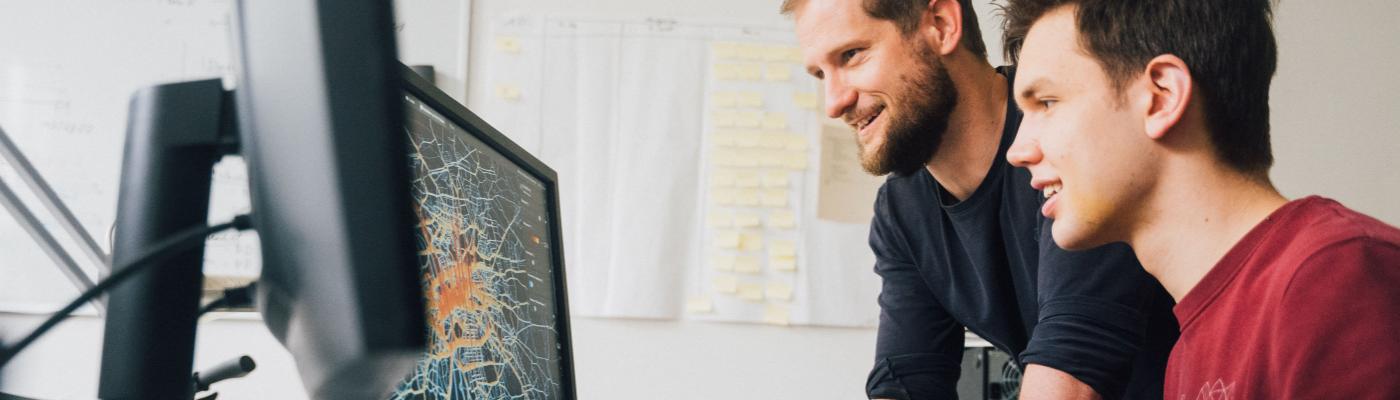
(958, 237)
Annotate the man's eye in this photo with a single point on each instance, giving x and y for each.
(1046, 103)
(847, 55)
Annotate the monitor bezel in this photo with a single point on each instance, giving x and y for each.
(455, 112)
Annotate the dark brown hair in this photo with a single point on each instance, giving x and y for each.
(1228, 45)
(906, 15)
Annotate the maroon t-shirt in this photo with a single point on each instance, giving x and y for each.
(1306, 306)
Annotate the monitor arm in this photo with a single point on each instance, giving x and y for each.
(175, 134)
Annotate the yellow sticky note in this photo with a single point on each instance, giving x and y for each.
(779, 291)
(795, 142)
(751, 292)
(746, 159)
(728, 240)
(805, 100)
(700, 305)
(782, 219)
(508, 45)
(748, 119)
(771, 159)
(749, 99)
(779, 72)
(748, 179)
(725, 50)
(726, 284)
(750, 52)
(722, 262)
(746, 220)
(723, 99)
(776, 314)
(776, 179)
(782, 248)
(747, 197)
(771, 141)
(750, 242)
(722, 139)
(719, 219)
(795, 160)
(774, 198)
(775, 120)
(750, 71)
(746, 141)
(774, 53)
(722, 179)
(792, 54)
(508, 92)
(723, 197)
(723, 158)
(747, 265)
(725, 72)
(783, 264)
(724, 118)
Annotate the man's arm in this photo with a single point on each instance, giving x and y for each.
(1041, 382)
(918, 352)
(1102, 321)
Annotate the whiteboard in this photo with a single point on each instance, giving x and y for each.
(67, 71)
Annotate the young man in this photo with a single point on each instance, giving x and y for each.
(1147, 121)
(957, 235)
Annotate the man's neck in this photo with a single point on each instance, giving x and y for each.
(1195, 218)
(969, 146)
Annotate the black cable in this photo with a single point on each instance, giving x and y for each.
(157, 255)
(233, 298)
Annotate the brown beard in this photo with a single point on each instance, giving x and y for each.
(914, 135)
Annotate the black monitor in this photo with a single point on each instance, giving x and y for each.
(401, 234)
(319, 105)
(493, 272)
(409, 249)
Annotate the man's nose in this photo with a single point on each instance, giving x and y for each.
(1025, 151)
(839, 97)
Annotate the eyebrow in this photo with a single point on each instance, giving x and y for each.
(1031, 89)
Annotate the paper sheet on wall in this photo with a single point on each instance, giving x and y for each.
(847, 192)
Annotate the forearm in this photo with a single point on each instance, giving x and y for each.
(1041, 382)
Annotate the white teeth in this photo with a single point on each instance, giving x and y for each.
(1051, 190)
(861, 125)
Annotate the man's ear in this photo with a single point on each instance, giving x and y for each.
(942, 25)
(1170, 86)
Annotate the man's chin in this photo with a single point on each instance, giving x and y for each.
(1072, 236)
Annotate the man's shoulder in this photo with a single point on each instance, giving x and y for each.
(902, 191)
(1323, 228)
(1324, 247)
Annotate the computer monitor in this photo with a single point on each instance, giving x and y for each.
(401, 235)
(387, 242)
(319, 98)
(488, 249)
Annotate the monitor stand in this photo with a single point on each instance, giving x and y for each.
(175, 134)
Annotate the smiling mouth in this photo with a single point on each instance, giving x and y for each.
(865, 123)
(1052, 189)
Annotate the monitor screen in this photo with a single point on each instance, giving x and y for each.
(488, 270)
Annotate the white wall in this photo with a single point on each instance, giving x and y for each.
(1335, 133)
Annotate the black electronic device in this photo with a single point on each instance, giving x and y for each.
(320, 110)
(488, 245)
(390, 239)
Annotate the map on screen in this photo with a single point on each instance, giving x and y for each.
(487, 268)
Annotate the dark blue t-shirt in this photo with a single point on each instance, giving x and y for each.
(988, 263)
